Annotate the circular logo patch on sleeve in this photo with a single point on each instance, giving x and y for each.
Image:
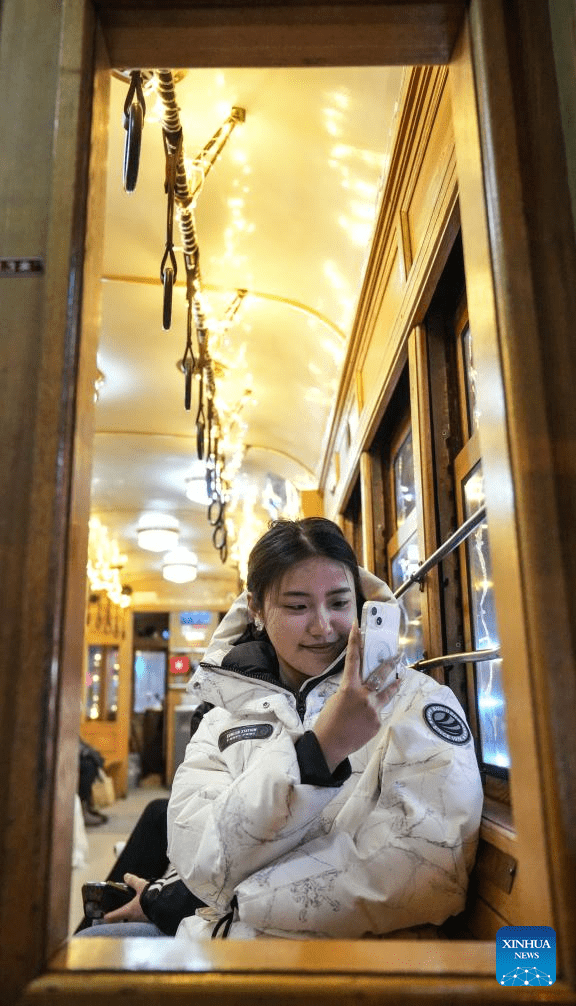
(446, 723)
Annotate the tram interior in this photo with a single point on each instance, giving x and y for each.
(341, 380)
(283, 220)
(332, 272)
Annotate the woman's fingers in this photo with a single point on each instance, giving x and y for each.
(132, 910)
(382, 696)
(353, 654)
(137, 883)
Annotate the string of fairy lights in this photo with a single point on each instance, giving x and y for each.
(220, 426)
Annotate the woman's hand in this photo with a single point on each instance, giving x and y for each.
(132, 910)
(351, 717)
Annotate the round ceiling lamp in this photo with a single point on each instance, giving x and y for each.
(196, 489)
(158, 532)
(180, 566)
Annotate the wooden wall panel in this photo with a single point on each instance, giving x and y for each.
(428, 184)
(380, 350)
(522, 313)
(392, 301)
(292, 33)
(111, 737)
(45, 123)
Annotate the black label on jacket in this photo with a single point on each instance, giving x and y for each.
(250, 732)
(446, 723)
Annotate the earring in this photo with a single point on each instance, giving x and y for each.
(258, 623)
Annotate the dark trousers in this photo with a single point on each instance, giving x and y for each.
(145, 852)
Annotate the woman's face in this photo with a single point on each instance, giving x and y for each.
(308, 617)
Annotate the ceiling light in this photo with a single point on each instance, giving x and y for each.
(157, 532)
(196, 489)
(180, 566)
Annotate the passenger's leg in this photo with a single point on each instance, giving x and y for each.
(145, 852)
(117, 929)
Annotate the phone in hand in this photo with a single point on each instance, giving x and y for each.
(380, 630)
(102, 896)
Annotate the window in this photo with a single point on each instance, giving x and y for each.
(466, 599)
(149, 680)
(397, 514)
(102, 676)
(489, 693)
(403, 551)
(480, 627)
(352, 523)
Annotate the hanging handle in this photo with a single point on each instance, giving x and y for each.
(169, 270)
(200, 421)
(188, 360)
(134, 112)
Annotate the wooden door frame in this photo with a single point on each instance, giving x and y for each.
(514, 195)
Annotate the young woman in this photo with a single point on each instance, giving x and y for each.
(309, 804)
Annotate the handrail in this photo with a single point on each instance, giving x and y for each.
(457, 658)
(445, 549)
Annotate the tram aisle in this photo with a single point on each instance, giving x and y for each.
(100, 858)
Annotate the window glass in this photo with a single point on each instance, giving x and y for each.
(93, 682)
(149, 679)
(470, 376)
(404, 482)
(102, 683)
(404, 563)
(112, 678)
(490, 693)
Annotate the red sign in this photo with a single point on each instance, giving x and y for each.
(180, 664)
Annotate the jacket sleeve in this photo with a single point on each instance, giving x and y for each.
(234, 811)
(167, 901)
(397, 856)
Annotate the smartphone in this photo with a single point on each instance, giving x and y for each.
(102, 896)
(380, 630)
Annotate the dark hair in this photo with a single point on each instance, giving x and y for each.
(290, 541)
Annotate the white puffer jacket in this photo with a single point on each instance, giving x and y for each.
(385, 843)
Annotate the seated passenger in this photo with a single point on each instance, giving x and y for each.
(161, 903)
(161, 900)
(309, 805)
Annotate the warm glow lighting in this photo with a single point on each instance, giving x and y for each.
(359, 232)
(105, 562)
(180, 566)
(158, 532)
(196, 489)
(194, 635)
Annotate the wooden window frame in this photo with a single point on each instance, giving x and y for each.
(507, 248)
